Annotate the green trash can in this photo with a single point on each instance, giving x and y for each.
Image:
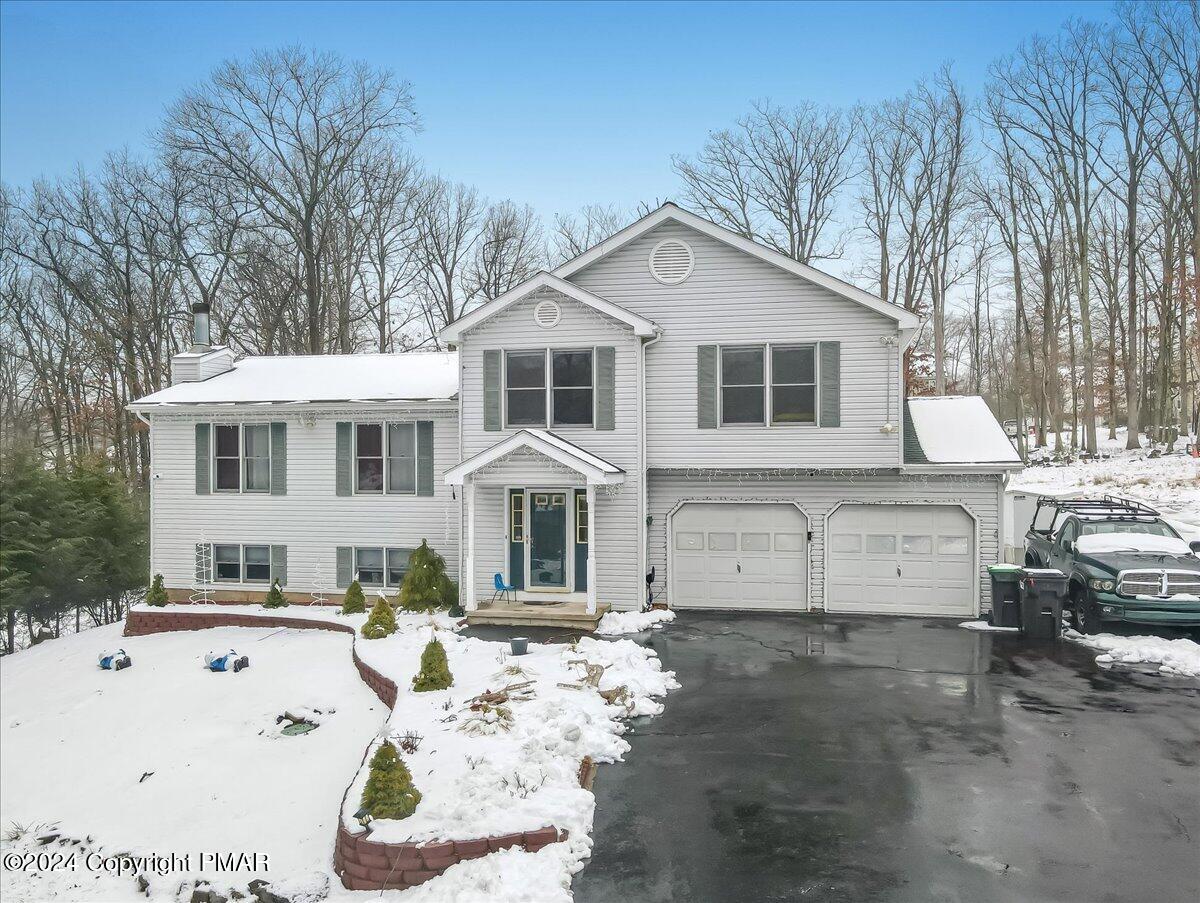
(1006, 595)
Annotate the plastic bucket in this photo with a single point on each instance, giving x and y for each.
(519, 645)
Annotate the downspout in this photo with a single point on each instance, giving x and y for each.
(150, 486)
(643, 476)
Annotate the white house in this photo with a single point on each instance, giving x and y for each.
(677, 401)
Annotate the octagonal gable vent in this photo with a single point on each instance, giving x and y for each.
(547, 314)
(671, 261)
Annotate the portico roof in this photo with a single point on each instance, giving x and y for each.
(595, 469)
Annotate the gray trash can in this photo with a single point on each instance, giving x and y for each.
(1043, 591)
(1006, 595)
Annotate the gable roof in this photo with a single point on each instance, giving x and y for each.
(668, 211)
(595, 468)
(543, 280)
(955, 430)
(289, 379)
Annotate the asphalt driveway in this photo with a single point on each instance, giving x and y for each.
(898, 759)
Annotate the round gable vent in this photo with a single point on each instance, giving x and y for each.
(547, 314)
(671, 261)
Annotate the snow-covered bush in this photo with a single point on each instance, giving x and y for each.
(389, 792)
(354, 602)
(426, 586)
(156, 595)
(275, 597)
(435, 669)
(381, 621)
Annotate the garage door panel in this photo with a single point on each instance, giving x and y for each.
(751, 555)
(914, 559)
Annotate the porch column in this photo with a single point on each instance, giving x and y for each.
(469, 542)
(591, 547)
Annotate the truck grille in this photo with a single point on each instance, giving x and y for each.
(1161, 584)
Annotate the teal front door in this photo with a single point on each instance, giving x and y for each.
(547, 541)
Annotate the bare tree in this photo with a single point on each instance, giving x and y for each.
(283, 130)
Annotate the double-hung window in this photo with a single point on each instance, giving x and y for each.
(525, 388)
(368, 457)
(573, 389)
(242, 457)
(768, 384)
(380, 567)
(242, 564)
(793, 384)
(402, 457)
(555, 387)
(742, 383)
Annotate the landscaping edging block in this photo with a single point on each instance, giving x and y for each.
(365, 864)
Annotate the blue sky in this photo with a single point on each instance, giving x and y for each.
(548, 104)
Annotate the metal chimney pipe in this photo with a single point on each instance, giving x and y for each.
(201, 333)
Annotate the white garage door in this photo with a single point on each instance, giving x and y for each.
(739, 555)
(901, 559)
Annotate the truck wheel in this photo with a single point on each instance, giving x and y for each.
(1085, 616)
(1031, 560)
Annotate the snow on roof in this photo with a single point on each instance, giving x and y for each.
(959, 429)
(411, 376)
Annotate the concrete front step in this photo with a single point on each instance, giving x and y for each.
(570, 615)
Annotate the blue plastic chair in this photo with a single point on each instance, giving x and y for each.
(502, 588)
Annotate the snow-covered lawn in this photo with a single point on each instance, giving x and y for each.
(166, 756)
(1179, 656)
(222, 777)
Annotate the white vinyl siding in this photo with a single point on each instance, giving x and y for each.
(614, 523)
(731, 298)
(311, 520)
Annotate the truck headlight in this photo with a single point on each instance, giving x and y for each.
(1105, 586)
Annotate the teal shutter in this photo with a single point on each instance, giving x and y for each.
(706, 387)
(424, 457)
(279, 564)
(606, 368)
(345, 566)
(831, 384)
(203, 458)
(342, 464)
(491, 390)
(278, 458)
(203, 563)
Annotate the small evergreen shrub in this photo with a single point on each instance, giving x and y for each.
(354, 602)
(156, 595)
(450, 598)
(389, 792)
(275, 597)
(381, 621)
(435, 669)
(424, 586)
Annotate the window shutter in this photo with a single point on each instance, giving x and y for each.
(203, 459)
(424, 457)
(345, 565)
(706, 387)
(342, 465)
(491, 390)
(606, 368)
(279, 458)
(279, 564)
(831, 384)
(203, 563)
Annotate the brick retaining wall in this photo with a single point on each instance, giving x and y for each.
(363, 864)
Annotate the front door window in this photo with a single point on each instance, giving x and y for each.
(547, 540)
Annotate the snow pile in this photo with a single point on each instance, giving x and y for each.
(616, 623)
(1173, 656)
(1099, 543)
(987, 627)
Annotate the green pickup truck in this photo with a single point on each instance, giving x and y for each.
(1124, 562)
